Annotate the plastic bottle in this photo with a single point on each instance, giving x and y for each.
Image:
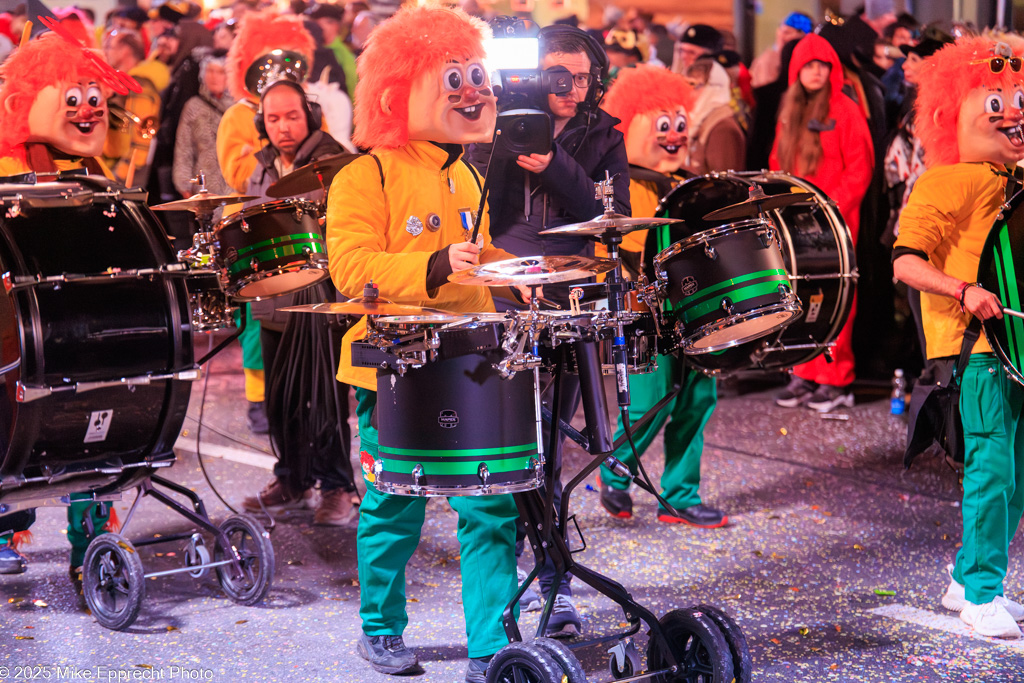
(898, 401)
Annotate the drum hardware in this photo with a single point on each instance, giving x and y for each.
(610, 221)
(316, 175)
(27, 393)
(16, 282)
(758, 203)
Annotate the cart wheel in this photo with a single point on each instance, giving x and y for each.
(626, 652)
(523, 663)
(196, 555)
(566, 659)
(113, 582)
(698, 646)
(255, 554)
(742, 665)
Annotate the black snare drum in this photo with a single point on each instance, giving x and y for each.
(95, 340)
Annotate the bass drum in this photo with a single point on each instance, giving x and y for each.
(1001, 270)
(95, 341)
(816, 248)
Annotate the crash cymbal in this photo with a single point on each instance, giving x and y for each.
(311, 177)
(204, 202)
(759, 204)
(360, 308)
(609, 222)
(532, 270)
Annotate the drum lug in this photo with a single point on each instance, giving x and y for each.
(299, 213)
(254, 264)
(378, 468)
(244, 226)
(14, 209)
(727, 305)
(767, 237)
(710, 251)
(483, 473)
(417, 475)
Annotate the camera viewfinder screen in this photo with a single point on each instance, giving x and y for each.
(512, 53)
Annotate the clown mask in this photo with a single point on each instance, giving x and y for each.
(657, 140)
(454, 105)
(989, 125)
(71, 118)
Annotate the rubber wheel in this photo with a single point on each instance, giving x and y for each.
(113, 582)
(256, 555)
(742, 666)
(524, 663)
(571, 666)
(698, 645)
(624, 672)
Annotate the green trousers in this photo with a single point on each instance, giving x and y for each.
(684, 434)
(389, 531)
(991, 405)
(78, 530)
(252, 352)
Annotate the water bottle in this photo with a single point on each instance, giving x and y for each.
(898, 401)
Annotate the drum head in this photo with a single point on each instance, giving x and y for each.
(278, 282)
(1000, 270)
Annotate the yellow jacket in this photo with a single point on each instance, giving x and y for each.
(237, 144)
(11, 166)
(385, 233)
(948, 217)
(132, 140)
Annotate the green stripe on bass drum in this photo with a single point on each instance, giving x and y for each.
(736, 296)
(301, 236)
(456, 467)
(1007, 274)
(296, 248)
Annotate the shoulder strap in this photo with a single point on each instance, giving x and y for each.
(380, 169)
(970, 337)
(476, 174)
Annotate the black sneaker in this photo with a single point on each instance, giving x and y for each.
(387, 654)
(530, 601)
(699, 515)
(797, 393)
(11, 561)
(827, 398)
(256, 418)
(476, 671)
(617, 502)
(565, 620)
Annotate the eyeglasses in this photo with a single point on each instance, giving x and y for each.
(997, 64)
(582, 80)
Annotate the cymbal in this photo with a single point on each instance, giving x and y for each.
(533, 270)
(308, 178)
(204, 202)
(609, 222)
(756, 205)
(361, 308)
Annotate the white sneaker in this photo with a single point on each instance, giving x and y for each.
(990, 619)
(955, 599)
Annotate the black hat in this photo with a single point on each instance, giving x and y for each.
(727, 58)
(170, 11)
(932, 40)
(136, 14)
(327, 11)
(275, 66)
(702, 35)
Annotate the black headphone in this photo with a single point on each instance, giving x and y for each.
(598, 60)
(314, 113)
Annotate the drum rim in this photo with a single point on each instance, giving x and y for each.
(784, 307)
(266, 207)
(705, 236)
(234, 287)
(434, 491)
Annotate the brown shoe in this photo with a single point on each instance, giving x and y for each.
(336, 509)
(278, 497)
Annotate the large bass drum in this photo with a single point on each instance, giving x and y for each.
(816, 248)
(1001, 270)
(95, 341)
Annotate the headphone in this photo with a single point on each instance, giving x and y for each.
(598, 60)
(314, 113)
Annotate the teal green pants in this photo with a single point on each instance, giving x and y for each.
(389, 531)
(990, 405)
(252, 352)
(684, 434)
(78, 530)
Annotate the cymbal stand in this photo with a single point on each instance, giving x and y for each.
(617, 287)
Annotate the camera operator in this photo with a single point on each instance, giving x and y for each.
(553, 189)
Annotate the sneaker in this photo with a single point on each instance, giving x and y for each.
(11, 561)
(990, 619)
(387, 654)
(336, 509)
(565, 620)
(796, 393)
(75, 574)
(277, 497)
(699, 515)
(955, 599)
(617, 502)
(530, 602)
(256, 418)
(476, 670)
(827, 398)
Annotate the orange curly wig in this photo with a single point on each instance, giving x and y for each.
(262, 32)
(412, 42)
(644, 89)
(46, 60)
(944, 80)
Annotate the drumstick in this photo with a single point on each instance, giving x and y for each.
(1015, 314)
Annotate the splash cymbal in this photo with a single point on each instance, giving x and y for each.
(204, 202)
(759, 204)
(609, 222)
(361, 308)
(316, 175)
(533, 271)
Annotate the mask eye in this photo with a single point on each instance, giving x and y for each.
(663, 124)
(453, 79)
(1018, 99)
(680, 124)
(73, 97)
(994, 104)
(476, 75)
(93, 96)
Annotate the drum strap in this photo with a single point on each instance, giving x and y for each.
(41, 161)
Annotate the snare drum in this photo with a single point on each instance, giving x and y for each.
(271, 249)
(454, 426)
(95, 340)
(817, 252)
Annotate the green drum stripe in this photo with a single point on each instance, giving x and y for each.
(460, 452)
(736, 296)
(458, 468)
(775, 273)
(280, 240)
(277, 252)
(1008, 276)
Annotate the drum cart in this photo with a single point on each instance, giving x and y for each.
(98, 335)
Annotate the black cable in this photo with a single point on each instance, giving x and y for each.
(640, 465)
(227, 435)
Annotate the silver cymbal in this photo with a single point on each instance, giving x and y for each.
(532, 271)
(609, 222)
(203, 202)
(361, 308)
(758, 204)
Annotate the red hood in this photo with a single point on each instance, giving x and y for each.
(812, 47)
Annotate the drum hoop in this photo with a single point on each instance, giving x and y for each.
(266, 207)
(427, 491)
(708, 235)
(724, 323)
(235, 287)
